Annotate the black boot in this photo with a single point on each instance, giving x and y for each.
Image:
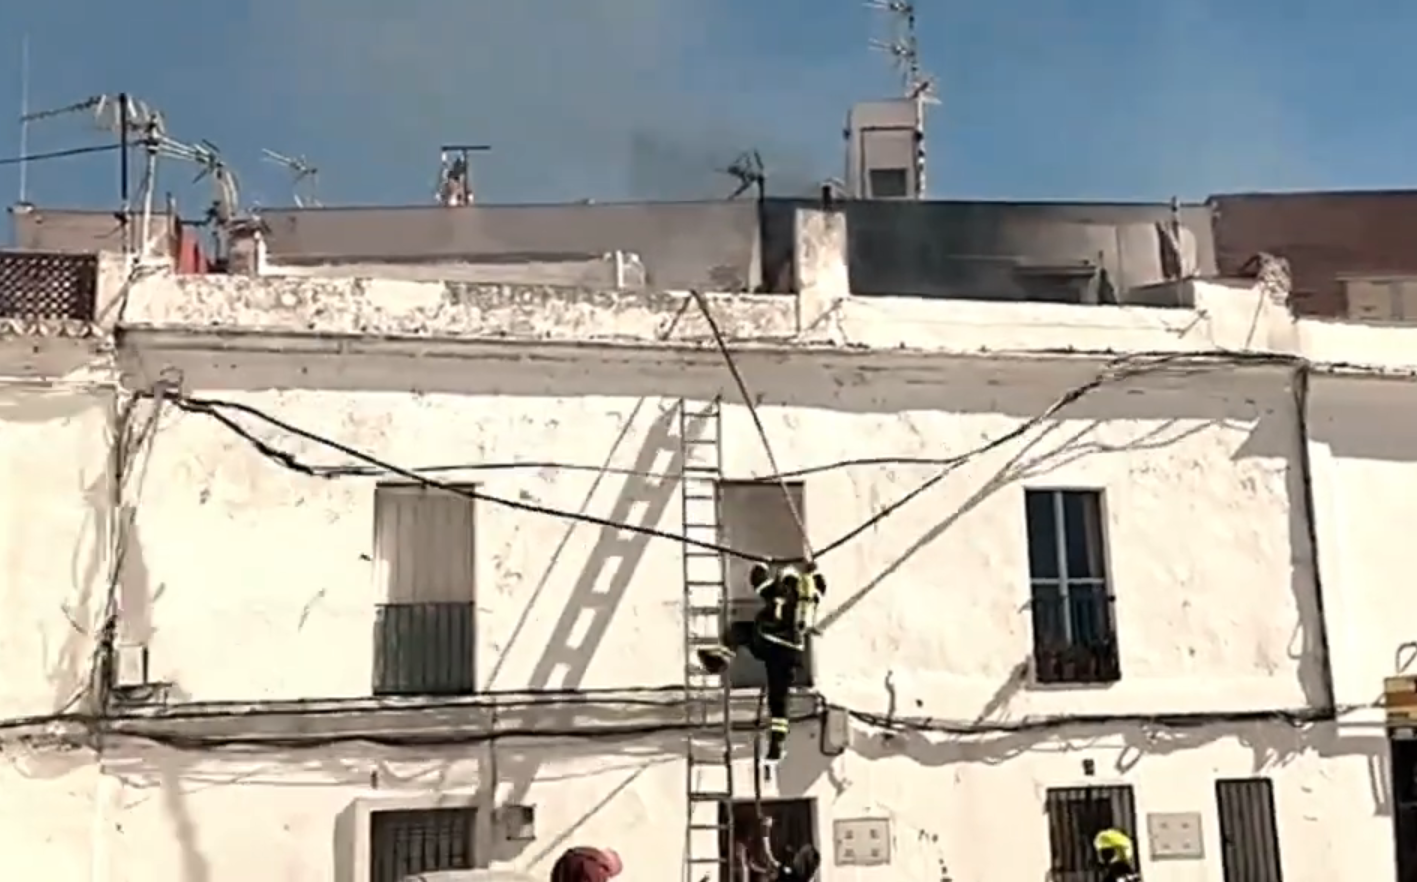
(715, 660)
(775, 743)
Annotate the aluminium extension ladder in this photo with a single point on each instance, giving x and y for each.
(707, 697)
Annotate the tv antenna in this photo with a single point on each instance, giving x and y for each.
(302, 172)
(917, 86)
(748, 169)
(134, 122)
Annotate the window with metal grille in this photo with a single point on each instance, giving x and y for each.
(793, 826)
(1249, 841)
(1074, 635)
(757, 520)
(1075, 816)
(424, 635)
(403, 843)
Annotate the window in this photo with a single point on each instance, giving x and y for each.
(1075, 816)
(403, 843)
(1249, 842)
(1074, 639)
(757, 520)
(423, 634)
(794, 825)
(889, 183)
(1404, 798)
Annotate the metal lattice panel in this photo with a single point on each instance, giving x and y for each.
(38, 285)
(404, 843)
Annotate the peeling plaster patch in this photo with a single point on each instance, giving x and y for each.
(446, 309)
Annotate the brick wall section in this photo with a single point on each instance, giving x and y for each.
(1322, 235)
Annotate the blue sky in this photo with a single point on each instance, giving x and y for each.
(641, 98)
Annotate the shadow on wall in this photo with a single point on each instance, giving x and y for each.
(1308, 646)
(1273, 746)
(1052, 448)
(598, 590)
(69, 664)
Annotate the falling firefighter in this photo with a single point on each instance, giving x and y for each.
(777, 637)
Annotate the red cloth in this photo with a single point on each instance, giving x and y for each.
(583, 864)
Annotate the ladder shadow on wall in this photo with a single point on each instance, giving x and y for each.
(601, 586)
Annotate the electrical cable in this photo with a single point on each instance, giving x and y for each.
(59, 154)
(129, 728)
(752, 406)
(1117, 370)
(212, 409)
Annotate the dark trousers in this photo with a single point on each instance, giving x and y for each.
(780, 662)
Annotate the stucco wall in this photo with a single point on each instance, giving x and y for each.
(1363, 441)
(1212, 451)
(250, 581)
(55, 517)
(965, 810)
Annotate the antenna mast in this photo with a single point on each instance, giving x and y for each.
(24, 117)
(918, 86)
(302, 172)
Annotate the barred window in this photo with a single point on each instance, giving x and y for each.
(1075, 816)
(424, 634)
(1074, 635)
(404, 843)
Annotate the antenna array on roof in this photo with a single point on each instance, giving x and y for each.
(302, 172)
(903, 49)
(139, 124)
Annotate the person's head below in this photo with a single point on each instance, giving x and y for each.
(1113, 847)
(585, 864)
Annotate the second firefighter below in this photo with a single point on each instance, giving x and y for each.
(777, 637)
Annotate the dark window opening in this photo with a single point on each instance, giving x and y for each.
(889, 183)
(403, 843)
(1404, 812)
(1249, 840)
(793, 825)
(1075, 816)
(758, 520)
(1074, 633)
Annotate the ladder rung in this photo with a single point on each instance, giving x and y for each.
(707, 610)
(709, 795)
(704, 583)
(713, 827)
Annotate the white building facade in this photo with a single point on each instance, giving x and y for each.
(339, 561)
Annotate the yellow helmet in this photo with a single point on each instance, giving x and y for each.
(1115, 841)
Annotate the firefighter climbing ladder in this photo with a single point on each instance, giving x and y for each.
(707, 697)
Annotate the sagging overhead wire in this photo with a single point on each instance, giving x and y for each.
(213, 409)
(757, 421)
(1117, 371)
(58, 154)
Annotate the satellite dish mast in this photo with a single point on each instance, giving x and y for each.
(918, 87)
(302, 172)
